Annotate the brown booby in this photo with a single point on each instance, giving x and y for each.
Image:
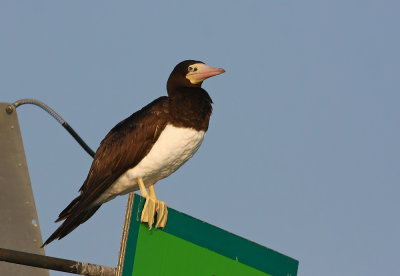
(146, 147)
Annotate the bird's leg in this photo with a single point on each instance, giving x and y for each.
(149, 207)
(161, 209)
(143, 190)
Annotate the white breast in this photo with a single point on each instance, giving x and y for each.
(172, 149)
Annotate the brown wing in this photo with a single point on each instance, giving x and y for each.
(124, 146)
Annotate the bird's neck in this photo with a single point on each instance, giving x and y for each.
(190, 107)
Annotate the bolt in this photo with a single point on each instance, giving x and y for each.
(10, 109)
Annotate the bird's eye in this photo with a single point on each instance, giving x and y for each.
(190, 68)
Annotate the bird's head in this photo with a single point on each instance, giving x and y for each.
(191, 73)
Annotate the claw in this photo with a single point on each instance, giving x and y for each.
(148, 211)
(162, 214)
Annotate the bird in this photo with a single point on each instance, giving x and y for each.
(146, 147)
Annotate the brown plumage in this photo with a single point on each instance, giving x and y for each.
(187, 105)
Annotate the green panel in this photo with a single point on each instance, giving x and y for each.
(187, 246)
(160, 253)
(230, 245)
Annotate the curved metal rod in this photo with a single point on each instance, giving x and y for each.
(42, 105)
(59, 119)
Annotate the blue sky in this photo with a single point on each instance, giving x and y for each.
(302, 154)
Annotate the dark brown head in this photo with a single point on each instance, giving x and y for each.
(191, 73)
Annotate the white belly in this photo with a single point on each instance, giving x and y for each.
(172, 149)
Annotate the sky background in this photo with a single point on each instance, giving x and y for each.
(302, 154)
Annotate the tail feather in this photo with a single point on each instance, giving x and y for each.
(73, 216)
(67, 211)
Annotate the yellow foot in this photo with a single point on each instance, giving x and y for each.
(148, 212)
(162, 214)
(151, 207)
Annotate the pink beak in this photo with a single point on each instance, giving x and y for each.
(205, 72)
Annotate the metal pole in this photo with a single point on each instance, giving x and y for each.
(125, 233)
(19, 223)
(46, 262)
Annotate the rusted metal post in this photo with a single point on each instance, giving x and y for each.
(35, 260)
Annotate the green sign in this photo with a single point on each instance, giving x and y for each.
(187, 246)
